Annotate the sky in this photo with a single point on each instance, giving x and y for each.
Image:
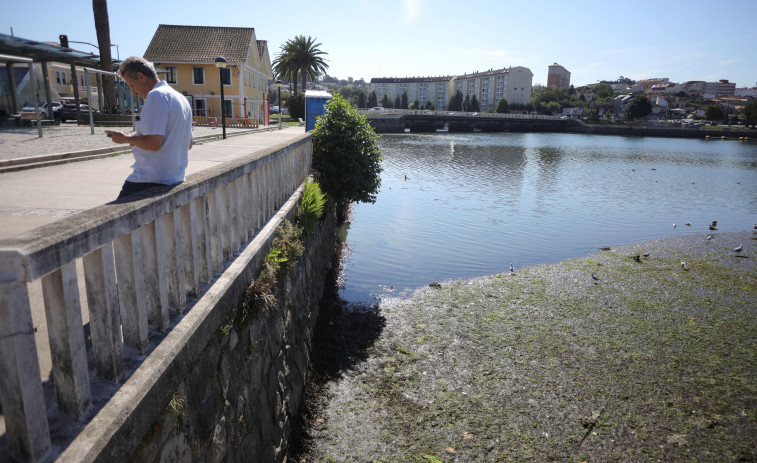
(680, 40)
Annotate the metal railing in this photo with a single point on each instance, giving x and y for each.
(140, 261)
(428, 112)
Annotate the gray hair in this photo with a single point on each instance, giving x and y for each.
(134, 64)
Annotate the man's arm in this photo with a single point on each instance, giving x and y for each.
(146, 142)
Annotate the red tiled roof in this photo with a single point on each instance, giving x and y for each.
(200, 43)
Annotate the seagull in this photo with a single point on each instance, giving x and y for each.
(683, 265)
(709, 237)
(738, 249)
(595, 278)
(688, 224)
(674, 225)
(512, 269)
(646, 254)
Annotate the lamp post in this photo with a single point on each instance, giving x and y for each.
(279, 83)
(221, 63)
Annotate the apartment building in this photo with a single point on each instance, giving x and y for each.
(719, 89)
(513, 84)
(185, 55)
(423, 89)
(558, 76)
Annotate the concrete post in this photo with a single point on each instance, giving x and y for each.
(214, 229)
(191, 248)
(21, 394)
(222, 211)
(173, 260)
(156, 291)
(104, 312)
(232, 202)
(131, 291)
(67, 349)
(203, 239)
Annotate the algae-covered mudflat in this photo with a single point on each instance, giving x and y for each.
(650, 362)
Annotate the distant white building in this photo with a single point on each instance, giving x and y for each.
(514, 84)
(747, 92)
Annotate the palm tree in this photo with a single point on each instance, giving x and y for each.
(300, 57)
(102, 26)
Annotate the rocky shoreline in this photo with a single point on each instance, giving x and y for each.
(651, 361)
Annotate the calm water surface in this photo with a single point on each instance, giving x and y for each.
(456, 206)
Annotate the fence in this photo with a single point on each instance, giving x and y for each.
(141, 260)
(233, 122)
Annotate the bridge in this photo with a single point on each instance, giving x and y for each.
(425, 121)
(102, 312)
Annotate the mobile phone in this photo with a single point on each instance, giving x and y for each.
(110, 135)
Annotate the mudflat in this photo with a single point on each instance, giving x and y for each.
(653, 360)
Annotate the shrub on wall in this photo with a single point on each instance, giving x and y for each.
(310, 210)
(346, 154)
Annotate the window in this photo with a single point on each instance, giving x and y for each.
(198, 76)
(226, 76)
(227, 108)
(171, 74)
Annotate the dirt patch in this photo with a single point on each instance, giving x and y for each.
(650, 362)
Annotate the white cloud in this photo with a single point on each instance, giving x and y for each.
(412, 10)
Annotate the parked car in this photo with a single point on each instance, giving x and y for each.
(377, 108)
(43, 109)
(70, 111)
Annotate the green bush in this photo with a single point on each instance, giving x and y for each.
(311, 206)
(346, 154)
(296, 105)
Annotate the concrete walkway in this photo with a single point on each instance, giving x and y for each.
(34, 197)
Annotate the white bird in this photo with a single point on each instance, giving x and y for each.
(709, 237)
(738, 249)
(674, 225)
(683, 265)
(646, 254)
(512, 269)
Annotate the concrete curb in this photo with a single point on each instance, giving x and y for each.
(46, 160)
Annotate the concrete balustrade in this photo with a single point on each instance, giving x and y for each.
(141, 262)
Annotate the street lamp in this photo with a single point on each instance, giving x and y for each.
(279, 83)
(221, 63)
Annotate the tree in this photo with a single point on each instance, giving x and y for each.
(360, 99)
(403, 101)
(750, 114)
(714, 113)
(429, 106)
(456, 102)
(474, 104)
(397, 102)
(639, 107)
(385, 101)
(503, 107)
(603, 91)
(300, 57)
(372, 100)
(102, 27)
(346, 154)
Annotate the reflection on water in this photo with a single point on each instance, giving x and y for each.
(458, 206)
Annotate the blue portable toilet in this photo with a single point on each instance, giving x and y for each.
(315, 105)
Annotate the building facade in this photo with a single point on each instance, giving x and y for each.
(558, 76)
(185, 57)
(423, 89)
(514, 84)
(719, 89)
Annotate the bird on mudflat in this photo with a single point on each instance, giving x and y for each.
(738, 249)
(512, 269)
(683, 265)
(595, 278)
(709, 237)
(646, 254)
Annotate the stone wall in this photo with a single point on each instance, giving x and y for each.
(240, 399)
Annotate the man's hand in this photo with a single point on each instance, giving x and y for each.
(146, 142)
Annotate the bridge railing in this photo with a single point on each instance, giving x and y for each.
(140, 260)
(429, 112)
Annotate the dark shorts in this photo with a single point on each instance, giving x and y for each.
(130, 188)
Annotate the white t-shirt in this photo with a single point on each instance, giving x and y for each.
(166, 112)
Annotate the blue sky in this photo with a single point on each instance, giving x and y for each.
(681, 40)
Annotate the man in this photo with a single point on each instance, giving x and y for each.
(164, 130)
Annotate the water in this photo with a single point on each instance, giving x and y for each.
(472, 204)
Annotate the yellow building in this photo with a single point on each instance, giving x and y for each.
(185, 57)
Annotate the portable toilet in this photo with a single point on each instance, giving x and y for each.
(315, 105)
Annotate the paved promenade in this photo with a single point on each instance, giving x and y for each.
(34, 197)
